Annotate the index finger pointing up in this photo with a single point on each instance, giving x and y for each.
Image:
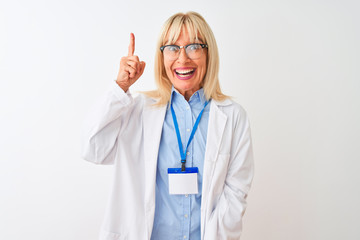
(131, 45)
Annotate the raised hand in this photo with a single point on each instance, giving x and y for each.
(130, 67)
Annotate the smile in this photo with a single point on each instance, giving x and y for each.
(184, 73)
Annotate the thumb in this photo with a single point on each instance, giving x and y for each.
(143, 64)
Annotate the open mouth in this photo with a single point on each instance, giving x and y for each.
(185, 74)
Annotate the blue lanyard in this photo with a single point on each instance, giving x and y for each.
(182, 153)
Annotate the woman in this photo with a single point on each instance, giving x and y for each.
(182, 153)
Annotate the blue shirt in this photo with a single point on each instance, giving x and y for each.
(178, 216)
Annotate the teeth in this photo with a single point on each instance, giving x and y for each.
(185, 71)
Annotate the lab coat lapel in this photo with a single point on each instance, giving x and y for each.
(217, 122)
(153, 119)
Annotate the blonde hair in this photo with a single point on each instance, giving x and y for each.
(195, 24)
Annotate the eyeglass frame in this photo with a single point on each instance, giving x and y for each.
(184, 47)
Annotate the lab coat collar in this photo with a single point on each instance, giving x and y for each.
(225, 102)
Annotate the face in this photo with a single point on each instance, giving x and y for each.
(186, 74)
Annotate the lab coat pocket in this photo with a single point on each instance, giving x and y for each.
(218, 180)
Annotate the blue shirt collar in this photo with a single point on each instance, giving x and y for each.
(197, 96)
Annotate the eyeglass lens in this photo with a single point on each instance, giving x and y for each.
(193, 51)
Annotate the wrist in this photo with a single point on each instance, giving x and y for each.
(122, 86)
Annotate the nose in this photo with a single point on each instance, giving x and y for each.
(183, 56)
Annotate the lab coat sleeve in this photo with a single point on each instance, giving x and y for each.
(102, 126)
(226, 221)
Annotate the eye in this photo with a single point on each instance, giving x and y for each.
(172, 48)
(194, 47)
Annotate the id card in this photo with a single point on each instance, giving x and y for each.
(183, 182)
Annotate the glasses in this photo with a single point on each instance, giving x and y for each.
(193, 51)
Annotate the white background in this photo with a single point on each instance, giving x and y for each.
(293, 65)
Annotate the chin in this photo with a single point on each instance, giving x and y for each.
(183, 86)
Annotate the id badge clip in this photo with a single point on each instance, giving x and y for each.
(183, 182)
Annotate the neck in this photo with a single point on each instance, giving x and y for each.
(187, 94)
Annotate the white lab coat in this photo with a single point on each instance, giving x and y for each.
(126, 132)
